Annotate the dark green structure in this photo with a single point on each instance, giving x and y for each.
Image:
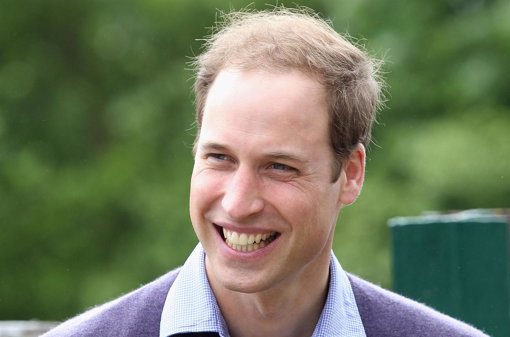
(457, 263)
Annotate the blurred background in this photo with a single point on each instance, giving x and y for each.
(96, 115)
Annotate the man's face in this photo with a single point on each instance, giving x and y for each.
(262, 201)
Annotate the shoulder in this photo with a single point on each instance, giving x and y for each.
(137, 313)
(384, 313)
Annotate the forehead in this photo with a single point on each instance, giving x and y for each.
(262, 109)
(259, 95)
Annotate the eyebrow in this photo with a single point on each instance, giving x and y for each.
(287, 156)
(211, 146)
(274, 155)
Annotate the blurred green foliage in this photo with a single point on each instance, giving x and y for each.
(96, 130)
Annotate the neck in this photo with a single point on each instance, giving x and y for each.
(288, 309)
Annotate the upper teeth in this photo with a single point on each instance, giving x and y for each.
(243, 239)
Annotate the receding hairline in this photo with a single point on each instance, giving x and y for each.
(280, 39)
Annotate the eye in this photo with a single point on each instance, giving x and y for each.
(216, 156)
(218, 160)
(282, 167)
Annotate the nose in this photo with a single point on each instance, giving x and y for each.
(242, 195)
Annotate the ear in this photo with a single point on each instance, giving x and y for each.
(352, 176)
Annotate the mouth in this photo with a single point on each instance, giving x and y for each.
(247, 242)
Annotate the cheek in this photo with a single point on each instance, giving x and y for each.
(204, 189)
(197, 207)
(312, 214)
(197, 196)
(298, 209)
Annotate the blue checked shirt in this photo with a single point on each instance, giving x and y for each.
(190, 305)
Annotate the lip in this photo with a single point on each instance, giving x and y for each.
(239, 255)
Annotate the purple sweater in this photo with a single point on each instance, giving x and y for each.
(383, 314)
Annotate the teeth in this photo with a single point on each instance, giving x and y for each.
(247, 242)
(234, 238)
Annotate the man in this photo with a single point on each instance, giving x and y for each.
(285, 107)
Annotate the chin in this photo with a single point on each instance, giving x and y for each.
(244, 287)
(244, 283)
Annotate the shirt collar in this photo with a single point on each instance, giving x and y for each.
(190, 305)
(340, 315)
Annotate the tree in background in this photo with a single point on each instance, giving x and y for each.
(96, 132)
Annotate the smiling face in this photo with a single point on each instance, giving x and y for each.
(262, 202)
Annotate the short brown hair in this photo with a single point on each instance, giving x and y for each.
(282, 39)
